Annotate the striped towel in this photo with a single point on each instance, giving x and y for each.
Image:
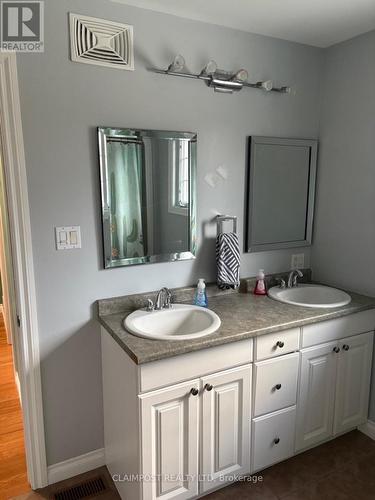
(228, 260)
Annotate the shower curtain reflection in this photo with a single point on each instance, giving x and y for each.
(126, 179)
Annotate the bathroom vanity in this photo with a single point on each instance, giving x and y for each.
(183, 418)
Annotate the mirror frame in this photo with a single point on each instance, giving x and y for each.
(103, 133)
(313, 145)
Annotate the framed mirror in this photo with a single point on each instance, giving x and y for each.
(280, 193)
(148, 195)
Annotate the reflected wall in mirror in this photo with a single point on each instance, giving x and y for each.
(148, 195)
(281, 192)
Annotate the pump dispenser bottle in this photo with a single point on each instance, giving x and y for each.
(260, 287)
(200, 296)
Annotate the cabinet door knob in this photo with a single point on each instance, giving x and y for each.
(278, 387)
(345, 347)
(194, 391)
(208, 387)
(279, 343)
(276, 440)
(336, 349)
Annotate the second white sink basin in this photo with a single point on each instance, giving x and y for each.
(180, 322)
(310, 296)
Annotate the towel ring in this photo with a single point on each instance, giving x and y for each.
(220, 219)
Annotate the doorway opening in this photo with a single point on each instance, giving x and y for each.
(13, 469)
(22, 442)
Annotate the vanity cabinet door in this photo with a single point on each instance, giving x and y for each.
(170, 426)
(315, 405)
(226, 398)
(353, 382)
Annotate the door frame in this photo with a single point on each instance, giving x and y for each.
(25, 336)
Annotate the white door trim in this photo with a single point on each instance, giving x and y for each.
(26, 340)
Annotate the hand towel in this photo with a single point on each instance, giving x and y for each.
(228, 260)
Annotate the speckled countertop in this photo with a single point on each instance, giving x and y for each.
(242, 315)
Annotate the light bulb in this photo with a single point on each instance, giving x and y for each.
(210, 68)
(267, 85)
(178, 64)
(241, 75)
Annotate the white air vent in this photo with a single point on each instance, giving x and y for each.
(100, 42)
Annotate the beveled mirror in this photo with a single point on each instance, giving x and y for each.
(280, 193)
(148, 195)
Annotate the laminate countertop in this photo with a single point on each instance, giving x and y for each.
(243, 316)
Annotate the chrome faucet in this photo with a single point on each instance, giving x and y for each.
(163, 300)
(293, 278)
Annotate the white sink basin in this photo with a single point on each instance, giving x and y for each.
(310, 296)
(180, 322)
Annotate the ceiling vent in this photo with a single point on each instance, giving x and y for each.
(101, 42)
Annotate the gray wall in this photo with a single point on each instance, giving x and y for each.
(62, 103)
(343, 253)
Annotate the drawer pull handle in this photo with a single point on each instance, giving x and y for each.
(278, 387)
(345, 347)
(194, 391)
(336, 349)
(280, 344)
(208, 387)
(276, 440)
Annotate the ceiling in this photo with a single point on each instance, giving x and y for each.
(314, 22)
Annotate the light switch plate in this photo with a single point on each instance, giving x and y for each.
(68, 237)
(298, 261)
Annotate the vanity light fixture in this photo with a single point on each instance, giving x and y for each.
(221, 81)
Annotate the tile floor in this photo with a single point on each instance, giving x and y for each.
(343, 469)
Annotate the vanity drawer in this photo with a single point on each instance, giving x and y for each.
(275, 383)
(194, 364)
(276, 344)
(273, 438)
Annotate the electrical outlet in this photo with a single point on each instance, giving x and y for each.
(298, 261)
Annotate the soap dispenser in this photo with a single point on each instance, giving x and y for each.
(200, 296)
(260, 286)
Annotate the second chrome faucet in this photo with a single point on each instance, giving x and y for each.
(163, 300)
(293, 278)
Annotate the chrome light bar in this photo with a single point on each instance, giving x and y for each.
(220, 80)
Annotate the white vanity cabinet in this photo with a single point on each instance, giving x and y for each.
(179, 439)
(171, 425)
(179, 427)
(353, 382)
(274, 397)
(316, 395)
(334, 384)
(170, 431)
(225, 445)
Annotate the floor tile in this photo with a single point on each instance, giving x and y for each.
(243, 490)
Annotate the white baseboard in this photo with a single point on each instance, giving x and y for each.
(74, 466)
(368, 428)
